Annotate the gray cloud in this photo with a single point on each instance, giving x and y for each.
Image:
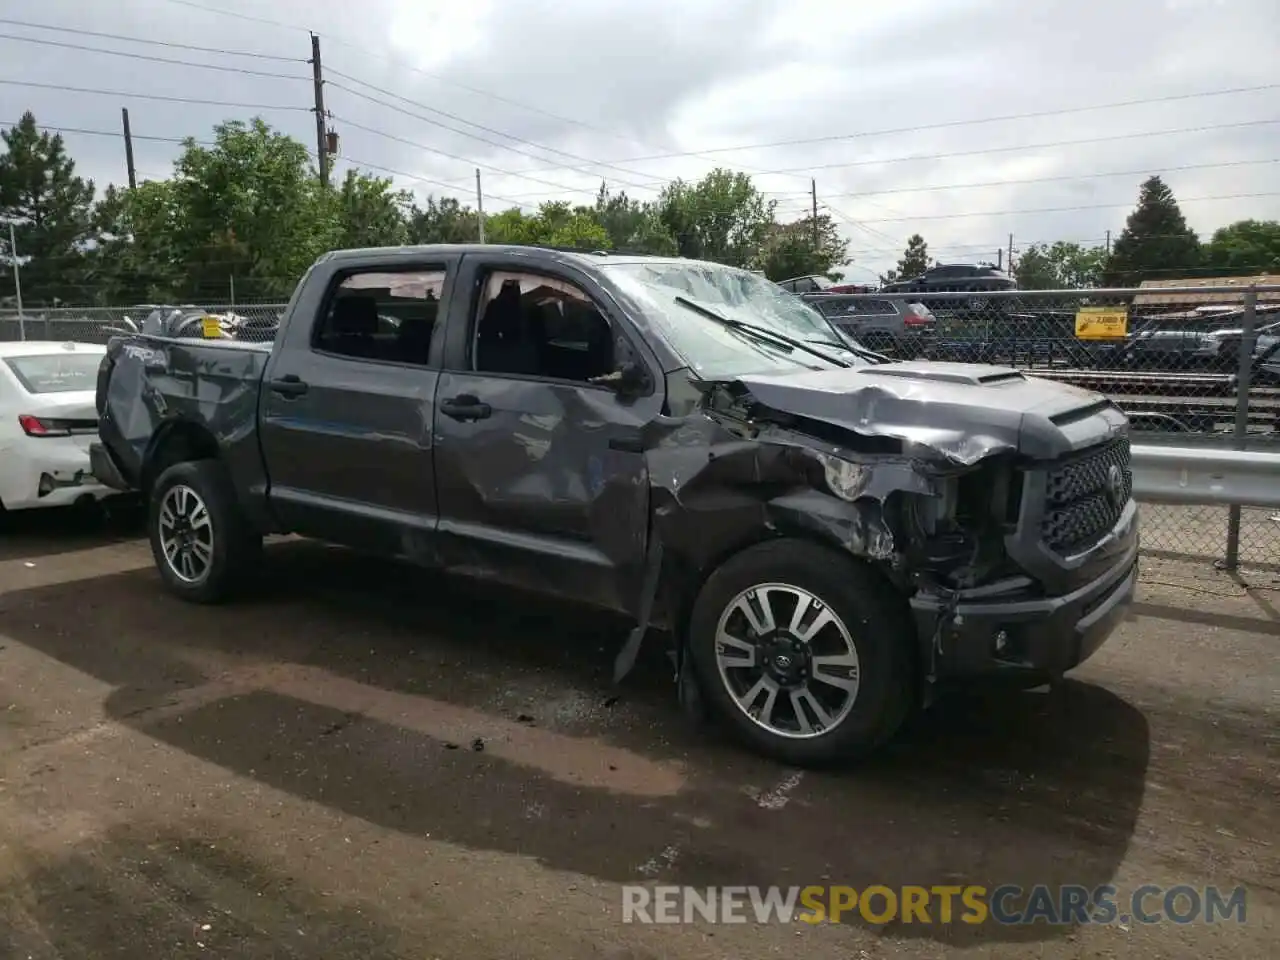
(623, 85)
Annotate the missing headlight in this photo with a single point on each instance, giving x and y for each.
(846, 480)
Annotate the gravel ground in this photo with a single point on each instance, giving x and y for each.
(297, 775)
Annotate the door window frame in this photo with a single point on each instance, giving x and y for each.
(478, 269)
(436, 349)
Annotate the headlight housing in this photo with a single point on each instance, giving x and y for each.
(846, 480)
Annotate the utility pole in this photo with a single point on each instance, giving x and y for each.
(479, 205)
(17, 283)
(813, 192)
(1011, 253)
(1108, 243)
(317, 83)
(999, 259)
(128, 148)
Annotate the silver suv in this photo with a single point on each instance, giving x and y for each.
(891, 326)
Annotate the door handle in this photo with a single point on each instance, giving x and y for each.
(465, 407)
(630, 443)
(290, 385)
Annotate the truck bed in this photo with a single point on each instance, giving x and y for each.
(153, 383)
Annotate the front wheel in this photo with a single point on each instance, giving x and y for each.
(200, 540)
(803, 652)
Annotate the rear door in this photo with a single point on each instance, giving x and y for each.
(540, 469)
(348, 403)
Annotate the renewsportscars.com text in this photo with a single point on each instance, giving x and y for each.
(971, 904)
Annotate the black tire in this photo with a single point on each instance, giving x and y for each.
(236, 548)
(877, 623)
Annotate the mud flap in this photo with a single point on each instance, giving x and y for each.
(626, 658)
(688, 687)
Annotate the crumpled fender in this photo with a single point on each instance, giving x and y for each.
(719, 485)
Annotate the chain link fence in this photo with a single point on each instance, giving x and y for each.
(1191, 365)
(255, 321)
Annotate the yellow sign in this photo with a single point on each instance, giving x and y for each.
(1102, 323)
(211, 328)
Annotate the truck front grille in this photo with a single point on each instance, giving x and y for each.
(1085, 496)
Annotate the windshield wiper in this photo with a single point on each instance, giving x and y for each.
(760, 333)
(856, 349)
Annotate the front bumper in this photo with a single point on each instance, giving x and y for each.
(1007, 628)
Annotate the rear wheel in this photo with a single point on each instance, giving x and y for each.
(201, 542)
(802, 652)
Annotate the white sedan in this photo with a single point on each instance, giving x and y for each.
(48, 418)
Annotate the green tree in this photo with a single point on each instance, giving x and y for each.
(1060, 266)
(443, 221)
(790, 250)
(554, 225)
(51, 209)
(1245, 248)
(632, 225)
(722, 217)
(914, 261)
(133, 259)
(1156, 241)
(371, 212)
(251, 207)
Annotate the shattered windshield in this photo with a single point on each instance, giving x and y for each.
(712, 349)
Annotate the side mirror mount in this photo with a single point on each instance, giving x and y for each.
(629, 380)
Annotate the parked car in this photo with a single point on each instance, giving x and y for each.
(895, 327)
(1266, 344)
(955, 278)
(47, 422)
(816, 283)
(1171, 348)
(824, 538)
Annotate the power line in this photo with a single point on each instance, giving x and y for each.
(503, 146)
(414, 176)
(859, 225)
(111, 133)
(406, 66)
(461, 86)
(1095, 206)
(453, 156)
(240, 16)
(148, 57)
(83, 131)
(155, 43)
(1025, 146)
(960, 123)
(1065, 177)
(149, 96)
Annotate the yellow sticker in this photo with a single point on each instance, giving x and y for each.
(1102, 323)
(211, 327)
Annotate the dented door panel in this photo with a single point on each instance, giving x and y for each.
(549, 491)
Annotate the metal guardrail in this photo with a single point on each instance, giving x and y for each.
(1195, 475)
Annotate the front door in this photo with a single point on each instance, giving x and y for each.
(347, 413)
(541, 477)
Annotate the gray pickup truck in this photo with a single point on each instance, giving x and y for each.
(824, 535)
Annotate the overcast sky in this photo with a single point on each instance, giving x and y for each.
(887, 98)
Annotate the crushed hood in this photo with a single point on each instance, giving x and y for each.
(963, 411)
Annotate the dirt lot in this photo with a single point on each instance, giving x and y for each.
(295, 776)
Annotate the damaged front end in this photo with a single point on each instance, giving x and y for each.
(935, 524)
(944, 479)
